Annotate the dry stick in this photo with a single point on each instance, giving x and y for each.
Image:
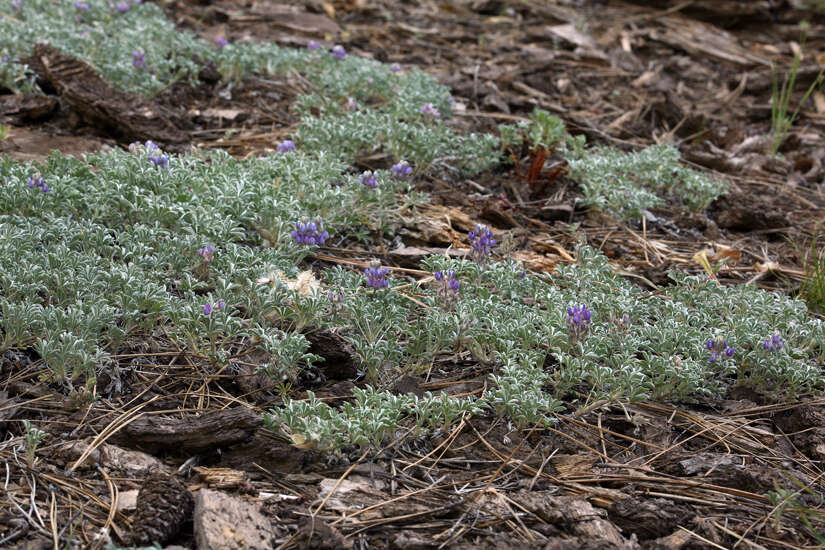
(111, 429)
(426, 456)
(380, 504)
(113, 498)
(453, 436)
(541, 468)
(332, 492)
(615, 434)
(738, 536)
(703, 539)
(53, 520)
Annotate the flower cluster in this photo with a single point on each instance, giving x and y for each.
(578, 321)
(313, 45)
(221, 41)
(369, 179)
(351, 105)
(207, 253)
(159, 159)
(37, 181)
(429, 110)
(448, 284)
(482, 241)
(395, 67)
(772, 343)
(209, 308)
(82, 6)
(309, 232)
(401, 170)
(717, 348)
(376, 275)
(338, 52)
(286, 146)
(139, 59)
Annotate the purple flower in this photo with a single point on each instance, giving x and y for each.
(220, 305)
(82, 6)
(448, 284)
(376, 275)
(717, 348)
(138, 59)
(351, 105)
(773, 343)
(369, 179)
(161, 161)
(395, 67)
(123, 7)
(401, 170)
(313, 45)
(309, 232)
(338, 52)
(37, 181)
(207, 309)
(151, 145)
(286, 146)
(17, 4)
(221, 41)
(207, 253)
(578, 321)
(429, 110)
(482, 241)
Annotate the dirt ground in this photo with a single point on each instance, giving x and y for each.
(169, 455)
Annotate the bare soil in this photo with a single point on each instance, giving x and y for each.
(167, 443)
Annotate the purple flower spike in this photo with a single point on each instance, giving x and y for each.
(719, 348)
(207, 309)
(221, 41)
(286, 146)
(37, 181)
(401, 170)
(16, 4)
(369, 179)
(313, 45)
(578, 321)
(122, 7)
(376, 276)
(482, 241)
(448, 284)
(338, 52)
(395, 67)
(161, 161)
(207, 253)
(220, 305)
(309, 233)
(773, 343)
(429, 110)
(82, 6)
(138, 59)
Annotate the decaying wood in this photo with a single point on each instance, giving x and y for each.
(191, 433)
(96, 101)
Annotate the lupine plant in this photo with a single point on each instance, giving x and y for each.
(482, 243)
(33, 437)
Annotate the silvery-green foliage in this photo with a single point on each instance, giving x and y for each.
(288, 353)
(628, 183)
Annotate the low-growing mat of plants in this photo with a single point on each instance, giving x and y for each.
(240, 323)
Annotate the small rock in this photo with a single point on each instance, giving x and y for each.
(223, 522)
